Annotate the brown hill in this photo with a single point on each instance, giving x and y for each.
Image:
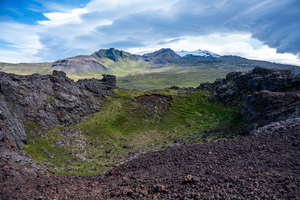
(80, 64)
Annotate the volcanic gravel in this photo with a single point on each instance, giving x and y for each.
(264, 166)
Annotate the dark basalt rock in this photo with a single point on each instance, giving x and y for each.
(36, 101)
(13, 129)
(264, 92)
(97, 86)
(237, 84)
(269, 105)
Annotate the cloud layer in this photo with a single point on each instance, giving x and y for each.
(150, 24)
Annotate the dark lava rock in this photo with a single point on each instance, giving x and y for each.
(264, 91)
(132, 177)
(251, 129)
(159, 188)
(45, 100)
(269, 105)
(50, 155)
(43, 150)
(237, 84)
(295, 144)
(175, 145)
(1, 135)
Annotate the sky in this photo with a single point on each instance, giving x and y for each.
(48, 30)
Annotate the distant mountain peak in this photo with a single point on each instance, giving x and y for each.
(112, 54)
(166, 53)
(199, 52)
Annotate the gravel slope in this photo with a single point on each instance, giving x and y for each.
(263, 166)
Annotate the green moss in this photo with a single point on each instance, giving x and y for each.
(122, 122)
(292, 89)
(51, 99)
(31, 126)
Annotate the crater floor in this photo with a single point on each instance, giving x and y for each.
(263, 166)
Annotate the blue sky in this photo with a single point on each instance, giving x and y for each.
(40, 30)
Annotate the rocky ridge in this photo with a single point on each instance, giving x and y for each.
(262, 93)
(156, 59)
(37, 101)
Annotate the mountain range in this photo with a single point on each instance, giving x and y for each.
(156, 70)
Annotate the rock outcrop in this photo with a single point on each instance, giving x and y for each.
(276, 127)
(237, 84)
(36, 101)
(12, 129)
(264, 92)
(270, 105)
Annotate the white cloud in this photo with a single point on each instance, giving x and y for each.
(68, 33)
(219, 26)
(8, 56)
(264, 53)
(22, 42)
(58, 18)
(54, 7)
(135, 5)
(228, 44)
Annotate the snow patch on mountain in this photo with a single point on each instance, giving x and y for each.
(199, 52)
